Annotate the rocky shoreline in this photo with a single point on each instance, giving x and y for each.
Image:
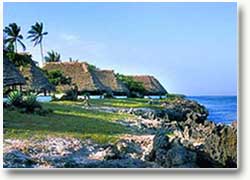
(175, 136)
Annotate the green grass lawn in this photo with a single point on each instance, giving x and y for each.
(120, 103)
(126, 103)
(67, 120)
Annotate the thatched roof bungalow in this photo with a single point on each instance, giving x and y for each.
(11, 75)
(151, 85)
(79, 74)
(35, 78)
(87, 79)
(109, 80)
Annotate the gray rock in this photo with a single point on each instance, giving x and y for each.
(221, 146)
(17, 159)
(171, 154)
(129, 149)
(179, 156)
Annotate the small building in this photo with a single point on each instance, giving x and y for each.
(109, 80)
(152, 86)
(88, 79)
(11, 75)
(36, 80)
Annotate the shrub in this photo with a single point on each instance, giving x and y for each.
(134, 94)
(30, 103)
(15, 98)
(108, 95)
(19, 59)
(175, 96)
(56, 77)
(136, 88)
(27, 104)
(91, 67)
(70, 95)
(6, 90)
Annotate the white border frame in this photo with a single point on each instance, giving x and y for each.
(173, 170)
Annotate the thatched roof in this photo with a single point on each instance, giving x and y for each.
(151, 85)
(11, 75)
(80, 75)
(88, 79)
(35, 78)
(109, 80)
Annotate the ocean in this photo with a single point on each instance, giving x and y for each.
(222, 109)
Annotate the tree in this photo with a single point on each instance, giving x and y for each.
(13, 36)
(134, 87)
(73, 60)
(5, 45)
(36, 35)
(53, 57)
(56, 77)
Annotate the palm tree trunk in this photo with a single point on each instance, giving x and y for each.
(16, 46)
(41, 48)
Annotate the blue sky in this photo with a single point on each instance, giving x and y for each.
(191, 48)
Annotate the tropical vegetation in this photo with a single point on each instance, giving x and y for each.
(136, 88)
(56, 77)
(68, 119)
(13, 36)
(27, 104)
(52, 56)
(36, 34)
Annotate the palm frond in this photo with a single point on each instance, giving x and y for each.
(36, 33)
(21, 43)
(13, 34)
(20, 36)
(53, 56)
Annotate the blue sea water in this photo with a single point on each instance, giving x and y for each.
(222, 109)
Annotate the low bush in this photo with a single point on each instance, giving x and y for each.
(15, 98)
(108, 95)
(134, 94)
(31, 104)
(19, 59)
(175, 96)
(56, 77)
(136, 88)
(70, 95)
(25, 104)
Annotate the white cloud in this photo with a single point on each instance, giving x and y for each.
(69, 37)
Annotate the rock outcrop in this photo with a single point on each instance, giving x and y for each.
(17, 159)
(217, 150)
(171, 153)
(177, 136)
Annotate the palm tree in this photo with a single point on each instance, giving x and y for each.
(36, 35)
(13, 36)
(53, 57)
(4, 41)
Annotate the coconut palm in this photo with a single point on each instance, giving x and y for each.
(53, 57)
(4, 41)
(36, 35)
(13, 36)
